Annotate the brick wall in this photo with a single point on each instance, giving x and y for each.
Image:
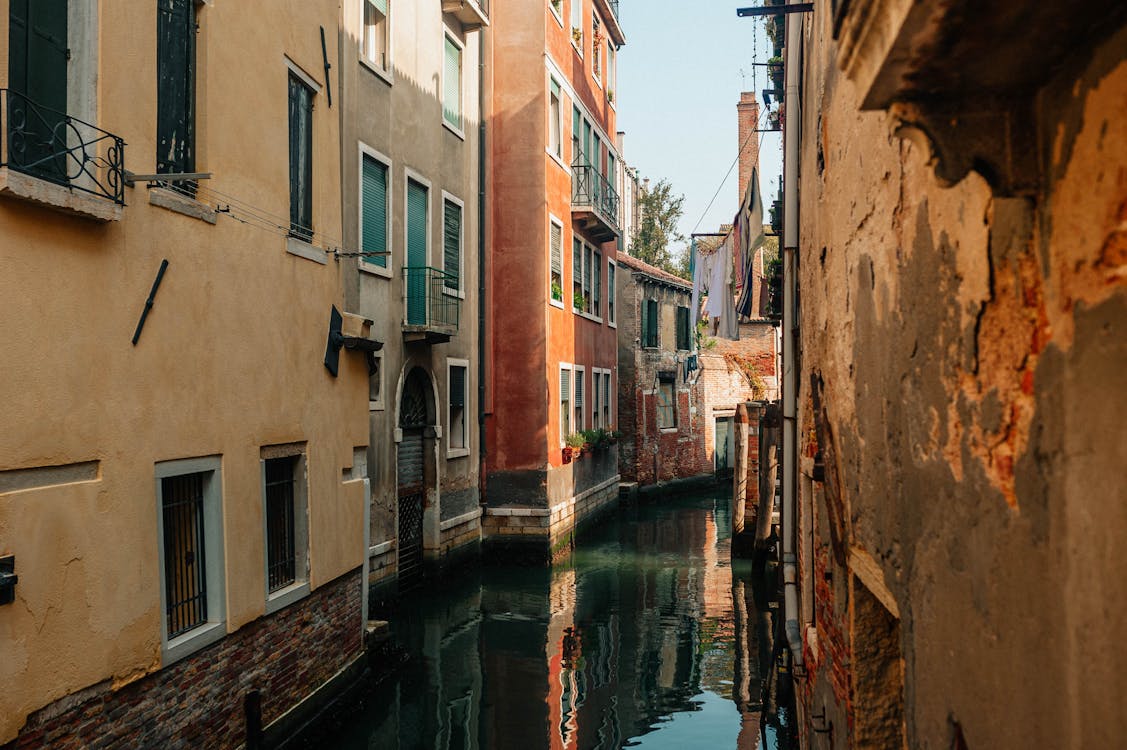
(198, 701)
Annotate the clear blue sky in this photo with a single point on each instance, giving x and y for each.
(679, 79)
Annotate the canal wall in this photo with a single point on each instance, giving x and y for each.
(199, 701)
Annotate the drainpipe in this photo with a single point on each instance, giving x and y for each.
(481, 307)
(790, 394)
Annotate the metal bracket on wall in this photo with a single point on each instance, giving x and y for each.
(8, 579)
(149, 301)
(774, 10)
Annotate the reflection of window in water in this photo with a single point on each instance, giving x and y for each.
(458, 724)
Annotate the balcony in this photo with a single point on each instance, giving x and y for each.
(608, 10)
(51, 158)
(431, 305)
(594, 202)
(472, 13)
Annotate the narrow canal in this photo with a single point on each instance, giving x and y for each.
(647, 636)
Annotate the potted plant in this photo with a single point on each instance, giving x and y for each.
(557, 292)
(775, 70)
(613, 436)
(575, 442)
(579, 301)
(557, 5)
(577, 35)
(567, 454)
(610, 96)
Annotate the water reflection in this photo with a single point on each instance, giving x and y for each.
(640, 640)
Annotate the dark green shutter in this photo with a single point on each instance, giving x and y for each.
(645, 322)
(37, 74)
(176, 61)
(557, 254)
(610, 293)
(452, 85)
(301, 159)
(417, 291)
(576, 270)
(374, 212)
(457, 387)
(576, 149)
(452, 244)
(649, 324)
(596, 290)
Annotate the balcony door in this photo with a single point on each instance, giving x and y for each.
(416, 280)
(37, 75)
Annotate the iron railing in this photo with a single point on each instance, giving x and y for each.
(614, 7)
(590, 188)
(56, 147)
(430, 298)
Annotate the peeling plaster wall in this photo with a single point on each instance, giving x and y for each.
(967, 353)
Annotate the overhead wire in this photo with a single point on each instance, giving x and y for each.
(735, 161)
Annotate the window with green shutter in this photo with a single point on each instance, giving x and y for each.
(587, 279)
(452, 244)
(565, 404)
(577, 299)
(683, 328)
(416, 253)
(373, 211)
(301, 159)
(37, 71)
(610, 292)
(556, 251)
(649, 323)
(596, 288)
(457, 418)
(452, 85)
(176, 87)
(576, 148)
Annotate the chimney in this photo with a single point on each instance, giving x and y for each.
(748, 113)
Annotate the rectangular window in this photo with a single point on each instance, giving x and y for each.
(375, 383)
(683, 339)
(577, 402)
(596, 47)
(649, 324)
(190, 533)
(374, 44)
(588, 157)
(176, 87)
(611, 268)
(458, 445)
(418, 253)
(578, 301)
(597, 286)
(596, 395)
(281, 550)
(666, 403)
(565, 403)
(452, 244)
(301, 159)
(556, 251)
(373, 211)
(587, 293)
(576, 146)
(577, 25)
(452, 85)
(612, 72)
(555, 119)
(607, 390)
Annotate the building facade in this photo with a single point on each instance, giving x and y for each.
(187, 534)
(412, 127)
(555, 227)
(956, 489)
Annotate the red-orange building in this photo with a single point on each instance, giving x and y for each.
(555, 228)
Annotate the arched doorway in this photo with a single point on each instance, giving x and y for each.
(416, 414)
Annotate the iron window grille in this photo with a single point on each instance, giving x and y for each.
(184, 559)
(281, 550)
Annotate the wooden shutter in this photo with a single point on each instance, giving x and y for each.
(301, 159)
(645, 322)
(610, 293)
(576, 269)
(452, 244)
(565, 402)
(176, 62)
(576, 148)
(457, 387)
(596, 290)
(452, 85)
(381, 6)
(416, 224)
(651, 327)
(556, 251)
(373, 211)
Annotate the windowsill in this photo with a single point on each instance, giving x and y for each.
(457, 453)
(453, 129)
(557, 303)
(558, 160)
(58, 197)
(460, 293)
(181, 204)
(303, 249)
(283, 598)
(587, 315)
(577, 49)
(386, 75)
(611, 103)
(612, 324)
(192, 641)
(376, 406)
(598, 81)
(668, 430)
(556, 14)
(374, 270)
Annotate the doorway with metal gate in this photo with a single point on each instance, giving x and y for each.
(416, 417)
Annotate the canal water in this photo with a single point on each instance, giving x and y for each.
(646, 636)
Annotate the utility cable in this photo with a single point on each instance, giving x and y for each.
(733, 166)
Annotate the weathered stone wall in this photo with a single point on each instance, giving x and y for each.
(962, 375)
(198, 702)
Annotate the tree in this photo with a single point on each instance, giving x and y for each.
(660, 211)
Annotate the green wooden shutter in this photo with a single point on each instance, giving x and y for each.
(457, 387)
(587, 278)
(416, 253)
(645, 315)
(452, 85)
(610, 293)
(596, 290)
(301, 159)
(565, 403)
(373, 210)
(576, 125)
(576, 270)
(381, 5)
(176, 90)
(452, 244)
(557, 261)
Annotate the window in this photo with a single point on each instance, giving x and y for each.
(577, 401)
(452, 243)
(457, 442)
(607, 390)
(578, 301)
(596, 289)
(611, 268)
(649, 324)
(452, 85)
(683, 338)
(375, 41)
(576, 149)
(596, 396)
(38, 62)
(577, 25)
(375, 384)
(666, 401)
(190, 534)
(556, 251)
(565, 403)
(557, 10)
(587, 294)
(418, 251)
(286, 530)
(612, 72)
(301, 159)
(596, 48)
(555, 119)
(176, 87)
(374, 225)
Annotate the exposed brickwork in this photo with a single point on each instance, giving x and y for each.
(552, 526)
(747, 110)
(198, 702)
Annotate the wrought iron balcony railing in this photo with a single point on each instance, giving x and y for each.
(56, 147)
(431, 301)
(591, 190)
(614, 7)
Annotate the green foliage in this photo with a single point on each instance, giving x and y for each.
(579, 301)
(660, 211)
(575, 440)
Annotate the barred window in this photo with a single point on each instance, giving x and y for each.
(281, 551)
(185, 560)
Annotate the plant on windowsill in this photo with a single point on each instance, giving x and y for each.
(576, 35)
(557, 292)
(575, 443)
(610, 96)
(557, 5)
(579, 301)
(568, 453)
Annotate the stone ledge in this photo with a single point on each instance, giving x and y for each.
(181, 204)
(450, 523)
(303, 249)
(57, 197)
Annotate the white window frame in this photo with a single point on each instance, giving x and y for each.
(606, 375)
(379, 404)
(553, 221)
(557, 13)
(452, 452)
(461, 292)
(570, 402)
(299, 589)
(612, 75)
(214, 543)
(364, 149)
(387, 74)
(592, 249)
(579, 372)
(458, 130)
(576, 102)
(612, 315)
(571, 27)
(558, 158)
(596, 52)
(409, 175)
